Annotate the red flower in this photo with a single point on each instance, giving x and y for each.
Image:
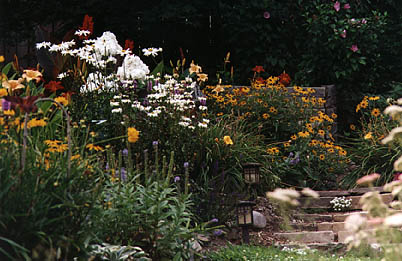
(258, 69)
(284, 78)
(88, 25)
(53, 86)
(26, 104)
(67, 95)
(129, 44)
(260, 80)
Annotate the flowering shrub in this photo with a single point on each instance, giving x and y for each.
(341, 203)
(48, 185)
(298, 136)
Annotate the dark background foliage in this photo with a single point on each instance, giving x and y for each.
(296, 37)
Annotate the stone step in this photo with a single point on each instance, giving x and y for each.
(351, 192)
(336, 227)
(308, 237)
(301, 226)
(314, 217)
(343, 235)
(331, 226)
(342, 216)
(324, 202)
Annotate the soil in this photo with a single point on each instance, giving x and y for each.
(260, 237)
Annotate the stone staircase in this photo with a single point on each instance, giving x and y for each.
(325, 229)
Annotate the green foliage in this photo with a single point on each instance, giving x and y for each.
(152, 215)
(43, 206)
(367, 153)
(118, 253)
(237, 253)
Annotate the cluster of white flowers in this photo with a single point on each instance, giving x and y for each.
(172, 97)
(99, 53)
(341, 203)
(298, 251)
(96, 81)
(132, 68)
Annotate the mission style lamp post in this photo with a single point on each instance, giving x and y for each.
(251, 176)
(245, 219)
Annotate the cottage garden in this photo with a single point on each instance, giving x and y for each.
(116, 159)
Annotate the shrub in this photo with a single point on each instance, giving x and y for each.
(298, 136)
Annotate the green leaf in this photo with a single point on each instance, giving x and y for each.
(6, 68)
(158, 69)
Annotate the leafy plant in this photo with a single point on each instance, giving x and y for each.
(368, 154)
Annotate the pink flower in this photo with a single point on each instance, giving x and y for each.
(346, 6)
(354, 48)
(267, 15)
(364, 21)
(337, 6)
(343, 34)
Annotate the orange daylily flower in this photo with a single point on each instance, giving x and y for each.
(30, 75)
(12, 85)
(202, 77)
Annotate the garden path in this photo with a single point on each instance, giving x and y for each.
(314, 224)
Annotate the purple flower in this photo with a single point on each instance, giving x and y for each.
(354, 48)
(346, 6)
(294, 161)
(343, 34)
(218, 232)
(203, 101)
(125, 152)
(155, 143)
(337, 6)
(267, 15)
(149, 87)
(6, 105)
(186, 164)
(123, 174)
(176, 179)
(214, 220)
(364, 21)
(107, 166)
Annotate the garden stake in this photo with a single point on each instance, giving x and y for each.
(170, 170)
(164, 166)
(129, 159)
(24, 142)
(155, 145)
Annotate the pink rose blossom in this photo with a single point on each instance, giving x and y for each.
(267, 15)
(337, 6)
(346, 6)
(343, 34)
(354, 48)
